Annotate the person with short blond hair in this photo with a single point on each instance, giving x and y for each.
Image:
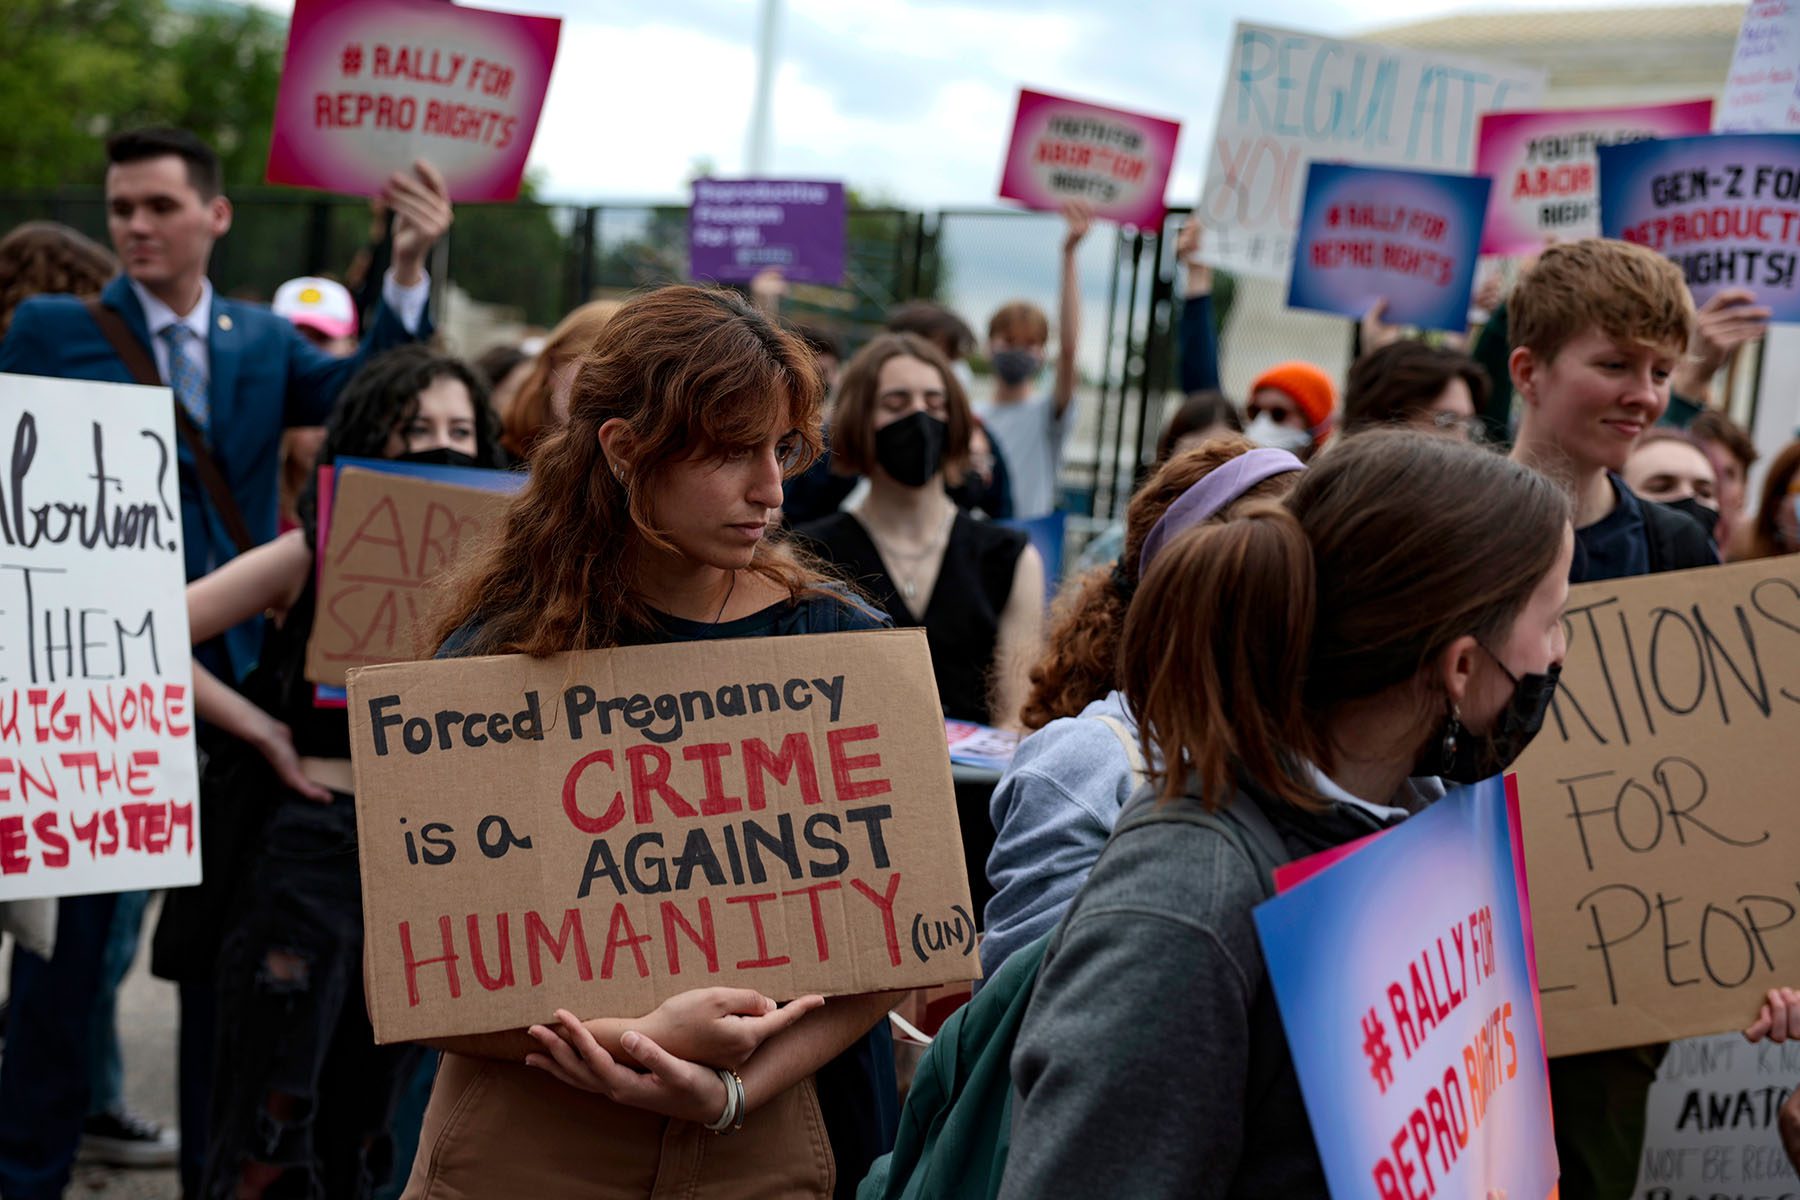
(1597, 329)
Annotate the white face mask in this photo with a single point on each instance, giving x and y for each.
(1267, 431)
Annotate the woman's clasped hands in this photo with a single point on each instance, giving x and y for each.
(675, 1052)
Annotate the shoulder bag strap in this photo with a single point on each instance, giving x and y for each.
(137, 360)
(1134, 753)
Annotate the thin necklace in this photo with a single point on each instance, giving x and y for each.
(909, 583)
(727, 599)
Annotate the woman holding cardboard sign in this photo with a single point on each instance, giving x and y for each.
(644, 522)
(1398, 616)
(294, 1040)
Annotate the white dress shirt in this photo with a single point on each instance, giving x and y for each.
(408, 304)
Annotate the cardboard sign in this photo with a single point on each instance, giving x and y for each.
(1546, 173)
(1409, 237)
(1404, 983)
(600, 831)
(1710, 1127)
(1726, 208)
(1660, 840)
(1291, 98)
(1064, 150)
(737, 227)
(370, 85)
(98, 782)
(391, 539)
(1762, 88)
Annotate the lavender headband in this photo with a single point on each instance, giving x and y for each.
(1208, 495)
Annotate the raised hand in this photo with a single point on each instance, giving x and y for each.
(422, 214)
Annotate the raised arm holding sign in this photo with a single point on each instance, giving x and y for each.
(368, 83)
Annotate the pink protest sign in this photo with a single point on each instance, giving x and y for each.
(370, 85)
(1066, 150)
(1545, 171)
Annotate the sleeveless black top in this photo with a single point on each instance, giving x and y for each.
(962, 615)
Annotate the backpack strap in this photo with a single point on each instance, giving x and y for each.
(1134, 753)
(142, 367)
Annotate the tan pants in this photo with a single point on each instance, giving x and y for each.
(496, 1130)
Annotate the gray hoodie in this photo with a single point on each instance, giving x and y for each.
(1152, 1060)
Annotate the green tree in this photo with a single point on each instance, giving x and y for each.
(76, 71)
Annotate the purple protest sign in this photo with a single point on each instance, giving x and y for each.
(738, 227)
(1726, 208)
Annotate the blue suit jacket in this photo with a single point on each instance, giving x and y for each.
(263, 378)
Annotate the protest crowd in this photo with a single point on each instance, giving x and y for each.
(1333, 608)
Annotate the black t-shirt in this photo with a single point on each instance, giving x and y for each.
(1617, 546)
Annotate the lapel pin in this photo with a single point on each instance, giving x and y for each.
(225, 322)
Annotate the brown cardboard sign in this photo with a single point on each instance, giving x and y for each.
(1661, 839)
(600, 831)
(391, 538)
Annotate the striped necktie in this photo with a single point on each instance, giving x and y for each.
(184, 375)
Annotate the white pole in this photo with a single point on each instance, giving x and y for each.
(768, 34)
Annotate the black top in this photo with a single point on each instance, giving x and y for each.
(279, 685)
(1639, 538)
(962, 617)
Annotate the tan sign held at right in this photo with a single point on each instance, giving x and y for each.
(1661, 842)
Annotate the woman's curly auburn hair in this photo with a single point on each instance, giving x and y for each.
(691, 371)
(1082, 662)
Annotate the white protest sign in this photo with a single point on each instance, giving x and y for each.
(1762, 89)
(1710, 1128)
(1291, 98)
(97, 772)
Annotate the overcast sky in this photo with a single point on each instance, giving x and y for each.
(910, 100)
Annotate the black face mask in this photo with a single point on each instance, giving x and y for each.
(911, 449)
(1460, 755)
(1707, 516)
(1016, 366)
(438, 456)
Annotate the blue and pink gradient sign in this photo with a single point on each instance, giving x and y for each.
(1546, 178)
(1403, 972)
(370, 85)
(1374, 233)
(1726, 208)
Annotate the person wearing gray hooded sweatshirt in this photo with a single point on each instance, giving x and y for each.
(1399, 616)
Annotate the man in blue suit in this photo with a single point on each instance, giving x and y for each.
(242, 375)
